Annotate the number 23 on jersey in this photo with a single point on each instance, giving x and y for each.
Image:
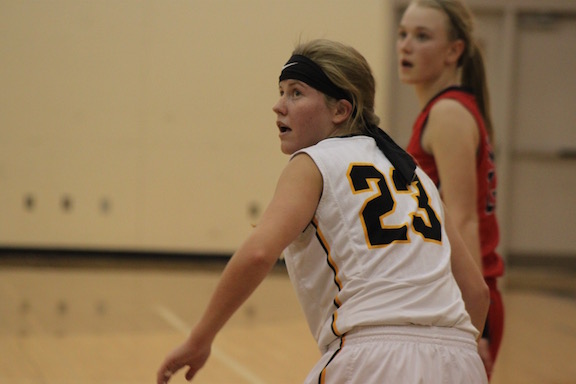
(380, 203)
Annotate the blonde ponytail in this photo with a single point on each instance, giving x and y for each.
(474, 77)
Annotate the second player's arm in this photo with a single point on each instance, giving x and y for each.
(474, 290)
(452, 137)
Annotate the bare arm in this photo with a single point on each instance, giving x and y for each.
(452, 137)
(469, 278)
(291, 209)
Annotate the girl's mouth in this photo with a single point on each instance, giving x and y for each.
(283, 128)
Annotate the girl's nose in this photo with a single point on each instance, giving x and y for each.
(403, 44)
(279, 106)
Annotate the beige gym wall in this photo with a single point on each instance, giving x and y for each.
(146, 125)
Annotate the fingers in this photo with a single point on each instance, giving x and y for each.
(163, 376)
(485, 355)
(168, 370)
(191, 373)
(167, 375)
(188, 355)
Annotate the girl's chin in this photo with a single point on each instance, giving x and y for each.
(290, 148)
(286, 149)
(405, 79)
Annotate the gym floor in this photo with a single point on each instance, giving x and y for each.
(78, 319)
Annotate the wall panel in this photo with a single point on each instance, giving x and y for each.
(146, 125)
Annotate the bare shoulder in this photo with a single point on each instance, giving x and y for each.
(303, 165)
(450, 121)
(451, 110)
(294, 202)
(301, 174)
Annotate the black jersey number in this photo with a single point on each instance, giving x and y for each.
(381, 204)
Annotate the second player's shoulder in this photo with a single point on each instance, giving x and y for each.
(450, 120)
(449, 108)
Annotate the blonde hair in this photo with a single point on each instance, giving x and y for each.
(350, 71)
(461, 26)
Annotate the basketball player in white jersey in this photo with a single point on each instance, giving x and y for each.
(389, 290)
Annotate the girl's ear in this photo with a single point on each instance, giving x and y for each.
(342, 111)
(456, 50)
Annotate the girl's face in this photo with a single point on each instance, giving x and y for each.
(303, 116)
(423, 47)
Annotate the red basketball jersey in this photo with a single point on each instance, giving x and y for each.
(485, 175)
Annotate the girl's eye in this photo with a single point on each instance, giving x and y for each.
(401, 35)
(422, 36)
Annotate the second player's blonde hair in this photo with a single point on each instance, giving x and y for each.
(461, 26)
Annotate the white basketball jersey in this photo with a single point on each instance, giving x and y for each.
(376, 252)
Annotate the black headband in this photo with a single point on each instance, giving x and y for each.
(301, 68)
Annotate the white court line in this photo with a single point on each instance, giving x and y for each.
(180, 325)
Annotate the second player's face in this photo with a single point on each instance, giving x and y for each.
(422, 45)
(303, 116)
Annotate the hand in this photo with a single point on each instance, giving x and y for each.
(190, 353)
(485, 355)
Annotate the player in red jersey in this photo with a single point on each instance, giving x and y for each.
(451, 138)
